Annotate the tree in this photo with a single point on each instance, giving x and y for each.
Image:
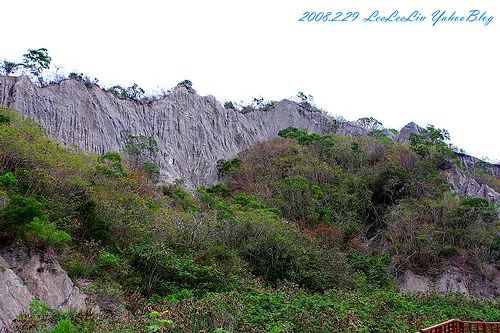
(293, 132)
(4, 119)
(111, 164)
(225, 166)
(36, 61)
(433, 141)
(85, 79)
(377, 133)
(258, 102)
(187, 84)
(135, 92)
(9, 67)
(142, 150)
(119, 91)
(304, 98)
(295, 197)
(369, 123)
(436, 135)
(229, 105)
(142, 146)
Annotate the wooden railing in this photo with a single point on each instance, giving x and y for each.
(458, 326)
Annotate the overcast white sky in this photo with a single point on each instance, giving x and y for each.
(446, 75)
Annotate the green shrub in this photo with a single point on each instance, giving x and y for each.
(159, 270)
(432, 143)
(19, 211)
(304, 138)
(40, 230)
(425, 231)
(108, 260)
(9, 182)
(187, 84)
(4, 119)
(231, 165)
(275, 251)
(292, 132)
(91, 226)
(152, 170)
(377, 133)
(79, 268)
(229, 105)
(39, 309)
(65, 326)
(248, 202)
(375, 269)
(219, 190)
(111, 164)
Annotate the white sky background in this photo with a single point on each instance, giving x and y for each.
(446, 75)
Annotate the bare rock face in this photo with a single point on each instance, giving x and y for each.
(14, 295)
(470, 163)
(465, 185)
(405, 132)
(415, 283)
(192, 132)
(454, 280)
(27, 274)
(483, 283)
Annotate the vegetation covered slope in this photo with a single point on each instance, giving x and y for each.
(350, 190)
(282, 247)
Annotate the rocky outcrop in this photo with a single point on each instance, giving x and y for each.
(14, 295)
(457, 176)
(33, 274)
(471, 163)
(411, 282)
(484, 283)
(405, 132)
(465, 185)
(192, 132)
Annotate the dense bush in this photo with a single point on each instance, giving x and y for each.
(225, 166)
(359, 187)
(4, 119)
(40, 230)
(161, 271)
(20, 211)
(110, 164)
(424, 233)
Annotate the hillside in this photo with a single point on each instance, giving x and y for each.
(192, 132)
(306, 232)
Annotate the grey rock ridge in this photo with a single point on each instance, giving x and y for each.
(465, 185)
(192, 132)
(27, 274)
(470, 163)
(405, 132)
